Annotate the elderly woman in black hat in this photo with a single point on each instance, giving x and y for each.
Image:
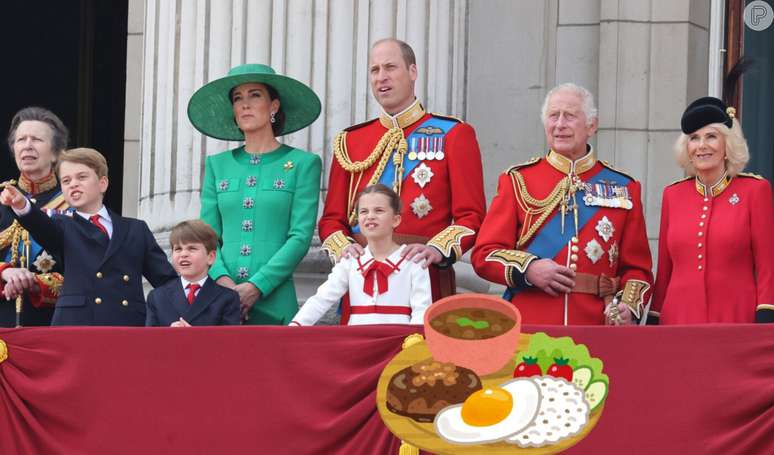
(715, 260)
(28, 273)
(261, 197)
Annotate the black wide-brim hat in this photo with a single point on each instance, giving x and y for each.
(705, 111)
(211, 112)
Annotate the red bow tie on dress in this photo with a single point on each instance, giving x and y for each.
(381, 271)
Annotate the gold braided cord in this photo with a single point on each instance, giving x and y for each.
(7, 236)
(532, 206)
(340, 150)
(391, 140)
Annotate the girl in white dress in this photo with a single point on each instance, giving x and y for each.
(383, 287)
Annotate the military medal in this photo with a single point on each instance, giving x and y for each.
(421, 206)
(439, 155)
(734, 199)
(223, 185)
(44, 262)
(594, 251)
(613, 254)
(413, 149)
(607, 194)
(422, 149)
(422, 175)
(279, 184)
(250, 181)
(605, 228)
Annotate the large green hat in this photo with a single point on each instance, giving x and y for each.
(210, 109)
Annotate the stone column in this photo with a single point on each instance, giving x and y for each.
(323, 43)
(653, 60)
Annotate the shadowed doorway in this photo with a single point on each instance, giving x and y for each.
(68, 56)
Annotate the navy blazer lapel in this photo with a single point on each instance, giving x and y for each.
(90, 231)
(120, 230)
(206, 296)
(176, 295)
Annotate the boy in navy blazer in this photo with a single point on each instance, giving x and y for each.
(105, 255)
(194, 299)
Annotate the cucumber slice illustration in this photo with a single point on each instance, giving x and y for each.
(581, 377)
(595, 394)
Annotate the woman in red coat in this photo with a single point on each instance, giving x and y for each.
(715, 261)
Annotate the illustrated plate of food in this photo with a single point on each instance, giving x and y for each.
(475, 383)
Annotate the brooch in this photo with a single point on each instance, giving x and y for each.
(255, 159)
(242, 273)
(605, 228)
(734, 199)
(594, 251)
(421, 206)
(422, 175)
(288, 166)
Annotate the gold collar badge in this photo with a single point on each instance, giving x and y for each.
(715, 189)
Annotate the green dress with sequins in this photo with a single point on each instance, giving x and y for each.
(263, 208)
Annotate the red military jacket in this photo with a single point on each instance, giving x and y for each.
(442, 195)
(524, 223)
(715, 261)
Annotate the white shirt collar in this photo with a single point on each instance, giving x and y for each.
(186, 282)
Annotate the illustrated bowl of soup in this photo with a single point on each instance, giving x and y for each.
(475, 331)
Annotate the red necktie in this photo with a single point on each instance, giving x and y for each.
(381, 271)
(192, 288)
(95, 221)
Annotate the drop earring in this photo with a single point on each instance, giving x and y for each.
(273, 120)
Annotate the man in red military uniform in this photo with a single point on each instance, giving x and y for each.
(566, 232)
(433, 162)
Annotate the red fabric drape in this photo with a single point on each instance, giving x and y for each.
(700, 389)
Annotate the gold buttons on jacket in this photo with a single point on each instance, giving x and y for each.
(574, 248)
(126, 278)
(573, 267)
(99, 274)
(97, 300)
(574, 258)
(125, 302)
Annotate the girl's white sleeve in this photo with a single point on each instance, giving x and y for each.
(328, 294)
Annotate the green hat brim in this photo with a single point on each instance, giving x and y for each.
(210, 110)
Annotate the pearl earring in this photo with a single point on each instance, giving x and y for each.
(273, 120)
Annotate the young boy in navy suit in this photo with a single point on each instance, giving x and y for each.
(105, 255)
(194, 299)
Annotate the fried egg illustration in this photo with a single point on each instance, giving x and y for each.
(491, 414)
(563, 412)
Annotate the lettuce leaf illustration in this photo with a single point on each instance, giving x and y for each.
(546, 348)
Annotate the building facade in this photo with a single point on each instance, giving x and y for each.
(487, 62)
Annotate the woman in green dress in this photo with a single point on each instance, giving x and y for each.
(261, 198)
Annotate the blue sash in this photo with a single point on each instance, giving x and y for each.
(550, 240)
(432, 124)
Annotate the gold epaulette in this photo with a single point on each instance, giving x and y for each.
(751, 175)
(360, 125)
(681, 180)
(610, 166)
(529, 162)
(447, 117)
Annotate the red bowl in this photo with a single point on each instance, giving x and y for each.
(482, 356)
